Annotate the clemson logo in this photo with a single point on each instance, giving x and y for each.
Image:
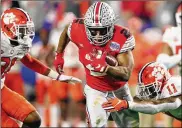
(158, 72)
(9, 18)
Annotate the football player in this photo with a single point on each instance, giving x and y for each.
(97, 36)
(157, 91)
(171, 53)
(17, 32)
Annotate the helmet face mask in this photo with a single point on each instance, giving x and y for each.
(25, 30)
(151, 80)
(99, 23)
(150, 91)
(22, 30)
(99, 35)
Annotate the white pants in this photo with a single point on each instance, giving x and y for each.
(97, 116)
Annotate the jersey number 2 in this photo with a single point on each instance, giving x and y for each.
(7, 64)
(172, 89)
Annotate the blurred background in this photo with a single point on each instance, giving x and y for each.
(61, 104)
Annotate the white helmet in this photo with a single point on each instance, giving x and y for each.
(178, 15)
(99, 17)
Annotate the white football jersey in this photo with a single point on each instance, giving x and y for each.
(172, 36)
(10, 54)
(172, 88)
(7, 50)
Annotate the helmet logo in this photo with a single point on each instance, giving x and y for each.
(9, 18)
(158, 73)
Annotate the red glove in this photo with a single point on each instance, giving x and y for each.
(99, 65)
(59, 62)
(115, 104)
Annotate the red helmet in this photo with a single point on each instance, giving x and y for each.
(178, 15)
(16, 23)
(151, 79)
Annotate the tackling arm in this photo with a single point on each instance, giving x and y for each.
(39, 67)
(143, 106)
(155, 106)
(124, 68)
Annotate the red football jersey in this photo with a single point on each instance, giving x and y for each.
(122, 41)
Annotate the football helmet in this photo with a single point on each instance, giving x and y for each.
(99, 23)
(178, 15)
(151, 79)
(17, 25)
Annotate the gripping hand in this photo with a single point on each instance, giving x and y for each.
(59, 62)
(115, 104)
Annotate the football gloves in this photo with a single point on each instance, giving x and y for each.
(59, 62)
(115, 104)
(99, 64)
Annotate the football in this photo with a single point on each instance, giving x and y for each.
(111, 60)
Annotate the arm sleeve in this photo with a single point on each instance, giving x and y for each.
(149, 108)
(128, 45)
(166, 37)
(169, 61)
(35, 65)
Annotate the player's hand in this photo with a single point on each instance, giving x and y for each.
(115, 104)
(99, 65)
(59, 62)
(69, 79)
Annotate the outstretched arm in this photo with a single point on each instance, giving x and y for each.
(35, 65)
(155, 106)
(63, 41)
(39, 67)
(143, 106)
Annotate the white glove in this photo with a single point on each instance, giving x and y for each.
(69, 79)
(63, 78)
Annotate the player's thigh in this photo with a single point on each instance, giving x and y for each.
(7, 121)
(127, 118)
(15, 105)
(96, 115)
